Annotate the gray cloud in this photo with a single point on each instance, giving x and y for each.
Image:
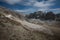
(41, 6)
(12, 1)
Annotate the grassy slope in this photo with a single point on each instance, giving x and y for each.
(12, 30)
(55, 26)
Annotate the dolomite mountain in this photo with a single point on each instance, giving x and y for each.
(14, 26)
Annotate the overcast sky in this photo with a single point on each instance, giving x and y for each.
(29, 6)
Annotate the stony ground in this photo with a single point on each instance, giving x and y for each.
(12, 30)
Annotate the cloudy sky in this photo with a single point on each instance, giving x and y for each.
(29, 6)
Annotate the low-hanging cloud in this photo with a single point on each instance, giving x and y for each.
(26, 10)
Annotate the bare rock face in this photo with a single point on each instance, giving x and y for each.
(13, 30)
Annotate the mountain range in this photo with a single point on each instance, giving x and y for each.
(16, 26)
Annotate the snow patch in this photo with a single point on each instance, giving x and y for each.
(9, 16)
